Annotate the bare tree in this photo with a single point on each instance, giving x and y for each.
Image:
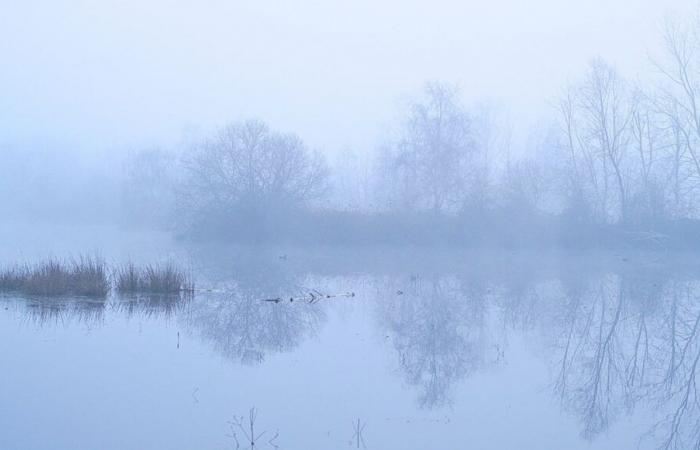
(679, 102)
(246, 165)
(596, 117)
(653, 172)
(435, 161)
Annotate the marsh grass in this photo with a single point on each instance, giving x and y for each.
(165, 278)
(12, 279)
(85, 276)
(51, 277)
(127, 278)
(89, 276)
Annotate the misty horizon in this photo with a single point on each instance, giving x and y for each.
(371, 225)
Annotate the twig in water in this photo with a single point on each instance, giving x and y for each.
(272, 440)
(312, 297)
(249, 430)
(357, 436)
(233, 435)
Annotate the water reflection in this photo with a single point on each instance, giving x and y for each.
(618, 341)
(65, 311)
(150, 306)
(51, 312)
(672, 380)
(242, 326)
(593, 379)
(631, 340)
(437, 330)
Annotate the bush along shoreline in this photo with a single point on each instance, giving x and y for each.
(91, 276)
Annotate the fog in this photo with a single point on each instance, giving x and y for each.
(140, 115)
(90, 90)
(380, 225)
(124, 74)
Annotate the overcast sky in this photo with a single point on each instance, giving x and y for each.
(114, 74)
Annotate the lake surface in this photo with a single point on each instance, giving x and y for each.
(436, 349)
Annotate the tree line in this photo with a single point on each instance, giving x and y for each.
(619, 154)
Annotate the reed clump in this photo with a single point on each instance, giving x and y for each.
(85, 276)
(165, 278)
(12, 279)
(89, 276)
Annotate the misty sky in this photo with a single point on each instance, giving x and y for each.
(119, 74)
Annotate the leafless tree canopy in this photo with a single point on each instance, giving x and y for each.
(435, 162)
(248, 165)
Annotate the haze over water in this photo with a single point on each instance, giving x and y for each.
(493, 350)
(314, 225)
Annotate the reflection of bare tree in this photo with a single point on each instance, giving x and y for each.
(591, 372)
(605, 343)
(237, 322)
(675, 387)
(243, 327)
(631, 338)
(438, 334)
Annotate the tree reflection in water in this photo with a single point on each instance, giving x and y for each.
(591, 379)
(437, 332)
(618, 340)
(243, 327)
(627, 339)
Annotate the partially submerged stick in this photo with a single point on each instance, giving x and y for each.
(312, 297)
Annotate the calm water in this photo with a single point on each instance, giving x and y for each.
(435, 350)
